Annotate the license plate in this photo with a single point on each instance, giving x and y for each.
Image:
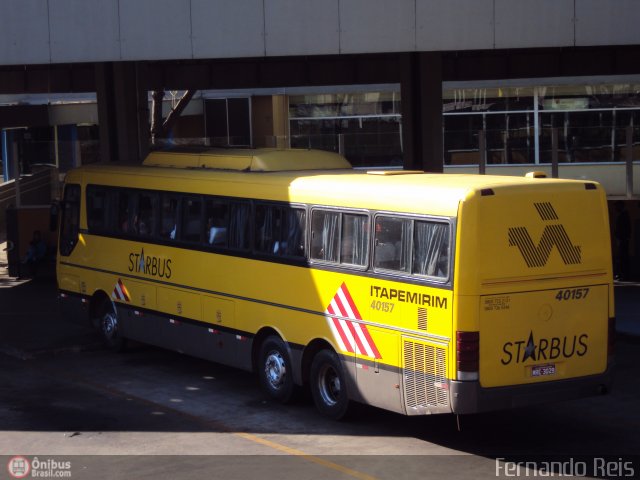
(543, 370)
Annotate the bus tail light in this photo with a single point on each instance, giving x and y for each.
(611, 345)
(467, 355)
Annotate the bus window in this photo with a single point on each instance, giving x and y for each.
(354, 247)
(123, 209)
(431, 249)
(97, 208)
(393, 243)
(217, 215)
(169, 216)
(280, 230)
(325, 235)
(144, 219)
(239, 225)
(70, 226)
(191, 219)
(293, 231)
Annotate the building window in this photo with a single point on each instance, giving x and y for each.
(518, 123)
(363, 126)
(228, 121)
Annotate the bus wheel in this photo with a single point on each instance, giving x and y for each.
(109, 328)
(274, 369)
(328, 385)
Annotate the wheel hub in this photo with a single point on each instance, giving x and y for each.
(275, 369)
(109, 325)
(329, 383)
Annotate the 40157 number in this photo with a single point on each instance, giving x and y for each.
(572, 294)
(382, 306)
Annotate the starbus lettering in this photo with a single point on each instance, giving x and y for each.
(520, 351)
(405, 296)
(150, 265)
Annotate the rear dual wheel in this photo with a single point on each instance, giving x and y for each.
(328, 385)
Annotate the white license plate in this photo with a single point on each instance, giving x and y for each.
(543, 370)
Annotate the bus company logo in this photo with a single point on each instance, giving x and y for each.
(19, 467)
(552, 236)
(520, 351)
(351, 336)
(149, 265)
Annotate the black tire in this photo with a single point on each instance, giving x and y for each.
(108, 326)
(274, 369)
(329, 386)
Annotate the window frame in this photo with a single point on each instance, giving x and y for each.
(450, 222)
(341, 211)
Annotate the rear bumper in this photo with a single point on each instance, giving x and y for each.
(470, 397)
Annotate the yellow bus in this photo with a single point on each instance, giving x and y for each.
(417, 293)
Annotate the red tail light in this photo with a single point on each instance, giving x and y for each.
(611, 346)
(467, 355)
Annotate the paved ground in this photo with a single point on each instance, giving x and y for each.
(63, 397)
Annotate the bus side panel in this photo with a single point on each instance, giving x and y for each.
(378, 383)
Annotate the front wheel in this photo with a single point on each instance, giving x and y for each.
(109, 327)
(274, 369)
(329, 386)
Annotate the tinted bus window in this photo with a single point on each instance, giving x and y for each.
(392, 243)
(325, 235)
(97, 208)
(144, 219)
(123, 208)
(354, 246)
(239, 225)
(280, 230)
(169, 216)
(191, 219)
(217, 215)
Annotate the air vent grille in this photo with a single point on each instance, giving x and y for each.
(425, 380)
(422, 319)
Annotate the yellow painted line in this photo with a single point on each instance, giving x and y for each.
(306, 456)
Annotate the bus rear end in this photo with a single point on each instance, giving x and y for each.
(533, 295)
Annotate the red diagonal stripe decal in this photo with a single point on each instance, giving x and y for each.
(347, 295)
(370, 341)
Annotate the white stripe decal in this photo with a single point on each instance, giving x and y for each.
(358, 328)
(336, 334)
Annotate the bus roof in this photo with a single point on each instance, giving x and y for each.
(248, 160)
(435, 194)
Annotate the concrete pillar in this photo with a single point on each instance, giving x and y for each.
(281, 120)
(106, 111)
(262, 121)
(421, 90)
(123, 111)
